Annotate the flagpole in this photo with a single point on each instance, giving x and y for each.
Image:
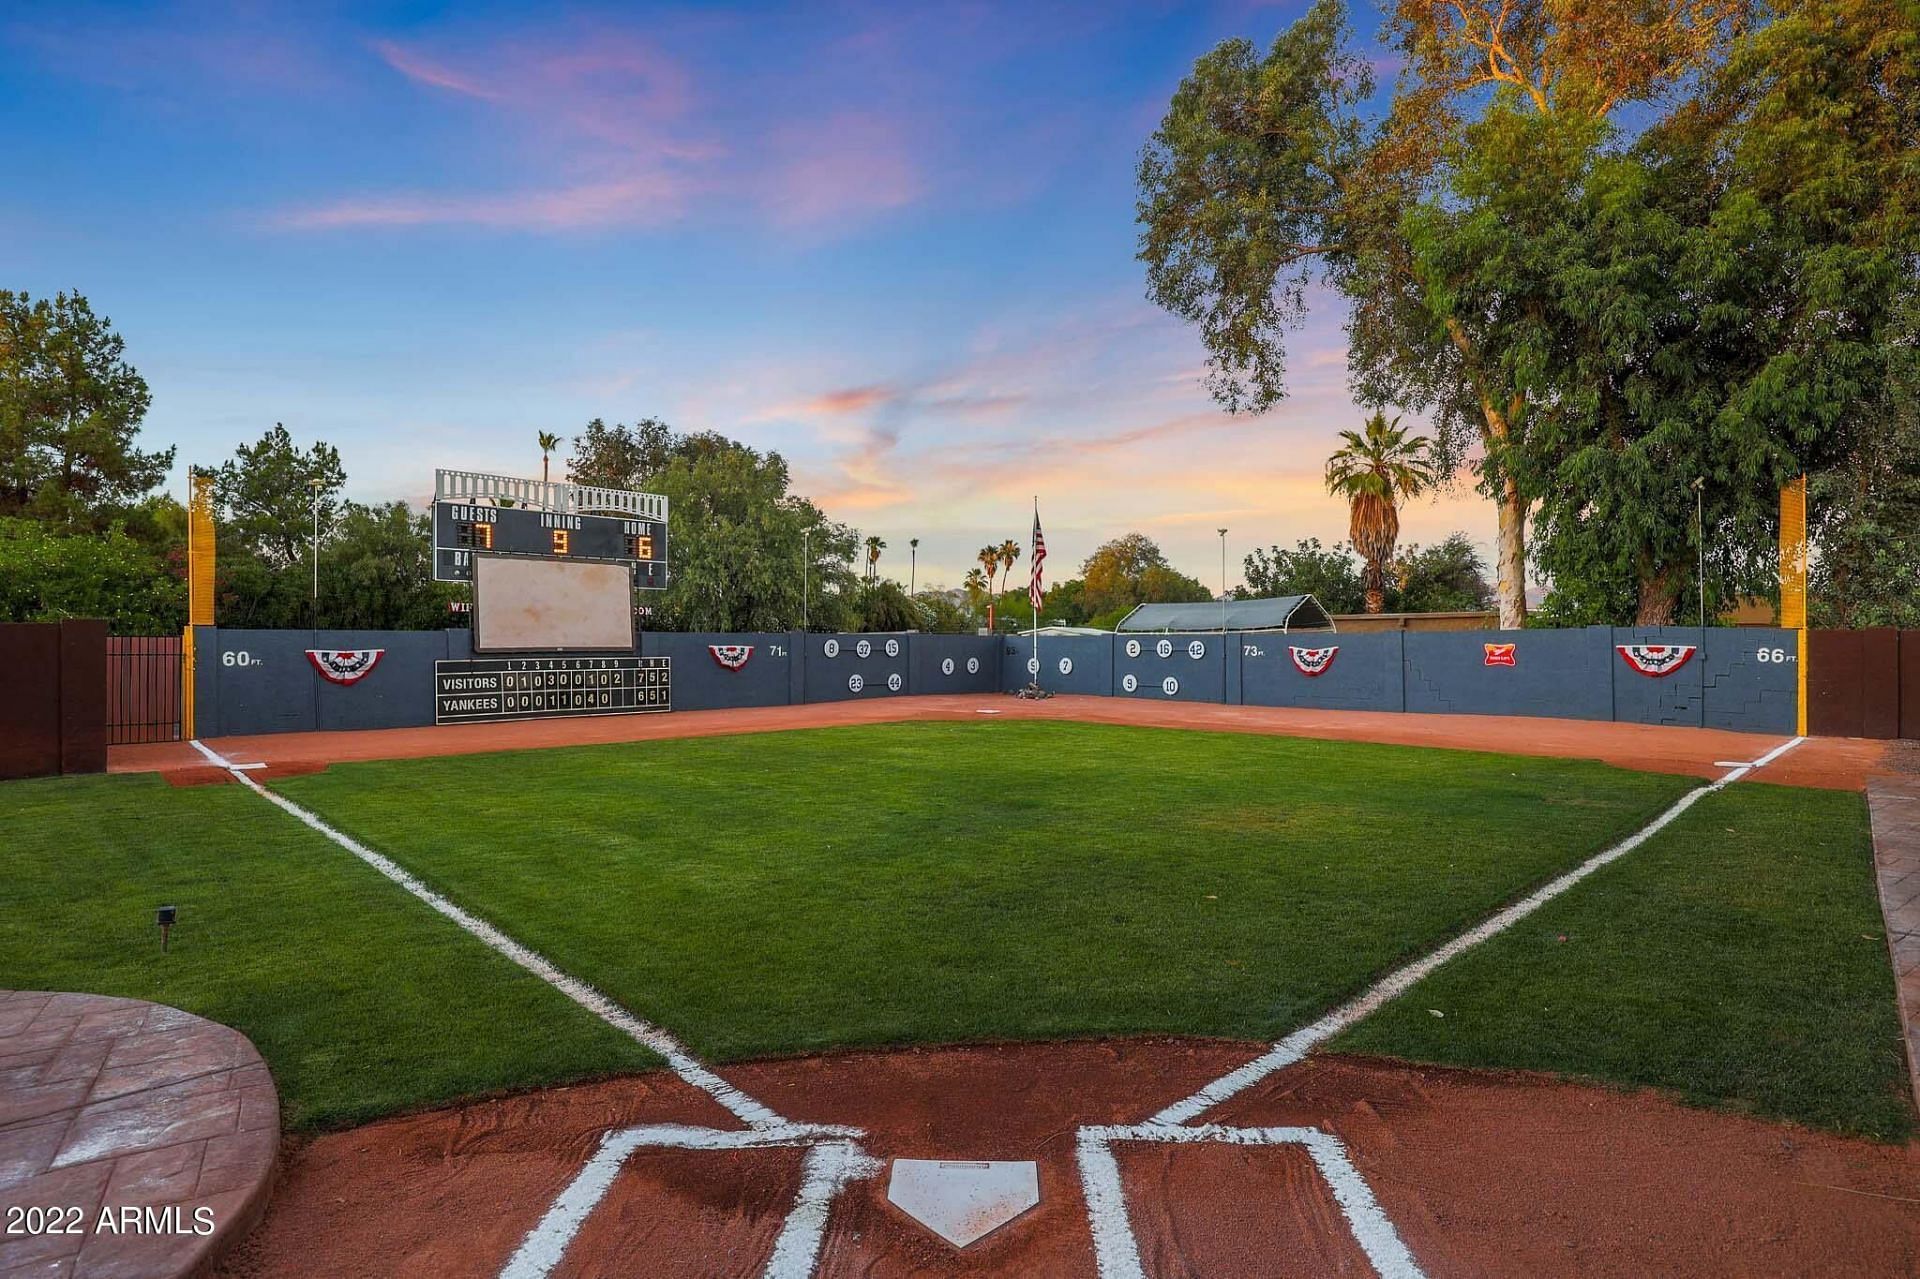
(1031, 547)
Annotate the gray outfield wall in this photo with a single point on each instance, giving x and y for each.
(253, 681)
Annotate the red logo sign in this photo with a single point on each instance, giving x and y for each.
(1312, 661)
(1500, 654)
(731, 656)
(344, 666)
(1656, 659)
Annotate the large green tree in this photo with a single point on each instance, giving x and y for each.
(1128, 571)
(1331, 576)
(1865, 510)
(739, 541)
(1272, 173)
(46, 576)
(266, 497)
(1732, 309)
(70, 409)
(376, 571)
(1447, 577)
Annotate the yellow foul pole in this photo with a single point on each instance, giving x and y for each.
(199, 584)
(1793, 580)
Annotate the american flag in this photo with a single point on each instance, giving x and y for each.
(1039, 557)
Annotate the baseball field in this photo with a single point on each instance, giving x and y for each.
(1103, 915)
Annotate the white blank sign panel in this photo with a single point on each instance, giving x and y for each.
(522, 605)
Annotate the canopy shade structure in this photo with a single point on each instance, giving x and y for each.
(1281, 613)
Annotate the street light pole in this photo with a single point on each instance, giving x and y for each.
(913, 566)
(1223, 587)
(316, 485)
(1700, 540)
(806, 572)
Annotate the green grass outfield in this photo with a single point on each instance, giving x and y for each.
(926, 882)
(1738, 959)
(935, 882)
(361, 999)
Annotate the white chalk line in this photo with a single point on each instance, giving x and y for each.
(834, 1159)
(825, 1174)
(1115, 1247)
(830, 1164)
(1300, 1042)
(1115, 1250)
(682, 1062)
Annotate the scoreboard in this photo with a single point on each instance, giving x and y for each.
(462, 528)
(505, 688)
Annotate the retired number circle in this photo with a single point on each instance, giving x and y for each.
(946, 667)
(831, 648)
(1033, 666)
(893, 648)
(1133, 648)
(973, 666)
(1196, 650)
(1131, 683)
(893, 681)
(1169, 686)
(855, 683)
(1164, 648)
(1066, 666)
(864, 648)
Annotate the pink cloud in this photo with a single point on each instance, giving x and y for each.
(850, 163)
(604, 85)
(650, 200)
(853, 399)
(609, 135)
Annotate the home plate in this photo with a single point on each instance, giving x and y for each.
(963, 1199)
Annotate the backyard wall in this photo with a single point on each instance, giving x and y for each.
(53, 698)
(251, 681)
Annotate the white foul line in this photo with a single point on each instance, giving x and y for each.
(1304, 1040)
(1115, 1247)
(682, 1063)
(833, 1158)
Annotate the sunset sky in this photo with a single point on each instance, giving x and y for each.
(894, 242)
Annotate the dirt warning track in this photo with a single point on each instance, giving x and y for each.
(1839, 763)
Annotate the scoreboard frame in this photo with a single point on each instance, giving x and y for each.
(462, 528)
(487, 690)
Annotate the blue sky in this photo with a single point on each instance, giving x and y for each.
(894, 242)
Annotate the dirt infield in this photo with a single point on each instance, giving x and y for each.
(1838, 763)
(1482, 1174)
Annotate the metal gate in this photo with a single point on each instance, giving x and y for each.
(143, 688)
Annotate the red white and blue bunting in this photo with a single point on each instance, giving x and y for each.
(1313, 661)
(1656, 660)
(731, 656)
(344, 665)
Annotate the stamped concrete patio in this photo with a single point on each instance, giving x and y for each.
(137, 1116)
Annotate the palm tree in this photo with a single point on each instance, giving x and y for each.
(1007, 552)
(976, 587)
(989, 558)
(548, 443)
(1375, 470)
(874, 547)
